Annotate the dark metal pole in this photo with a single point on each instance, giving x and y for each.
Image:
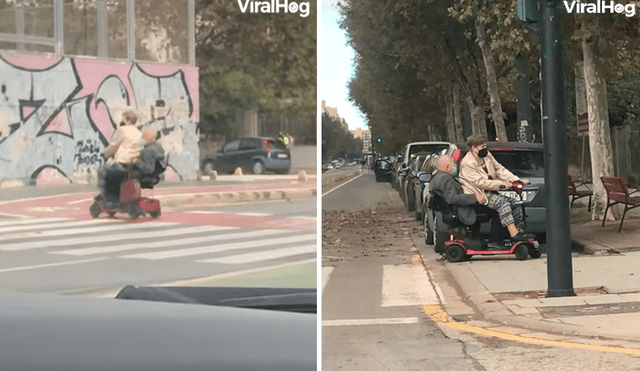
(559, 270)
(523, 96)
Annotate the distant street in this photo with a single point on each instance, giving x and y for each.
(376, 289)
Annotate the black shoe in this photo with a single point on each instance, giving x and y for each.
(495, 246)
(521, 237)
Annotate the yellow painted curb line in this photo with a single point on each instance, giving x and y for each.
(438, 315)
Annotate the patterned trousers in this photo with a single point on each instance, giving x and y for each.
(509, 211)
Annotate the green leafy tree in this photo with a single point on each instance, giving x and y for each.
(263, 62)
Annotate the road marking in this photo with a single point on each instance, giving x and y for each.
(170, 243)
(373, 321)
(58, 229)
(50, 265)
(264, 255)
(80, 201)
(10, 223)
(438, 315)
(236, 273)
(252, 214)
(347, 182)
(14, 215)
(302, 217)
(407, 284)
(326, 273)
(66, 242)
(219, 248)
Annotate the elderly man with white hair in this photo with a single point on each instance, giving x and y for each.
(445, 184)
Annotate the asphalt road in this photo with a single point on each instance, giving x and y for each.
(99, 257)
(374, 293)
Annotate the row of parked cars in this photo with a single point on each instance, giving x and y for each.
(411, 173)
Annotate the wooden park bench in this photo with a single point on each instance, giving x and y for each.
(618, 193)
(577, 194)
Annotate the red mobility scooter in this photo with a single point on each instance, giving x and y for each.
(123, 190)
(459, 247)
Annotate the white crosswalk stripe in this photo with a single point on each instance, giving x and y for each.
(264, 255)
(67, 242)
(61, 229)
(106, 239)
(16, 222)
(169, 243)
(220, 248)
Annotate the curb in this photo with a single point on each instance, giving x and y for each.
(493, 310)
(588, 247)
(235, 197)
(341, 177)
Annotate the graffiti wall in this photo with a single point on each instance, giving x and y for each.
(58, 114)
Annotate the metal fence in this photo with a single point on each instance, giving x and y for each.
(625, 141)
(301, 127)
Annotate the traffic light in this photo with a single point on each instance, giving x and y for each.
(528, 11)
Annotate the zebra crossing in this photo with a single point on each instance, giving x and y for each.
(154, 241)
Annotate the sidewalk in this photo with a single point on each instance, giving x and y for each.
(504, 294)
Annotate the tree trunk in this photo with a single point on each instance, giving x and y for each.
(492, 82)
(449, 123)
(457, 116)
(478, 122)
(599, 133)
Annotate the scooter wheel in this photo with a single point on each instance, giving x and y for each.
(521, 251)
(535, 253)
(155, 214)
(94, 210)
(455, 253)
(134, 211)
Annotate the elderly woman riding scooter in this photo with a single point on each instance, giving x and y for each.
(480, 172)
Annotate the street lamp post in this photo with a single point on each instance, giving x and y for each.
(554, 133)
(543, 16)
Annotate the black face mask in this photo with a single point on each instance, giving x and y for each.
(483, 153)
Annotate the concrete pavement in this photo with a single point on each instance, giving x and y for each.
(509, 295)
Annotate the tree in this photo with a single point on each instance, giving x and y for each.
(608, 45)
(254, 62)
(337, 141)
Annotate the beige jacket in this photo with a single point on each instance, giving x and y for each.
(475, 180)
(126, 145)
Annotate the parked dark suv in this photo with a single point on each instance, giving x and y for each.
(256, 155)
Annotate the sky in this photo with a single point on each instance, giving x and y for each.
(336, 66)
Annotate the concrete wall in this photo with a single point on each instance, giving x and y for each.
(58, 114)
(304, 157)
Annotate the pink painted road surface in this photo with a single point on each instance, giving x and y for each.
(76, 206)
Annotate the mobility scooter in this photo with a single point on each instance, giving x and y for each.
(464, 241)
(123, 191)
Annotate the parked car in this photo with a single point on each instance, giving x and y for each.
(257, 155)
(411, 179)
(383, 169)
(416, 147)
(525, 160)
